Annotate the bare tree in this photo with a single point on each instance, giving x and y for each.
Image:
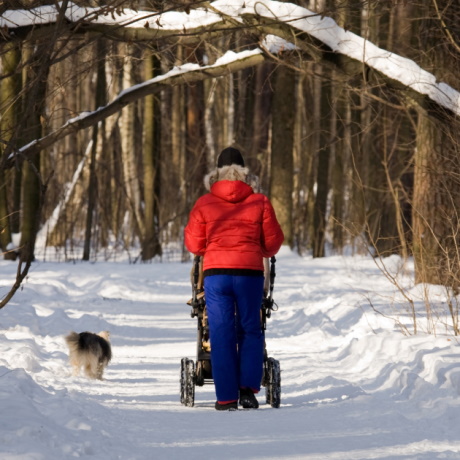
(320, 123)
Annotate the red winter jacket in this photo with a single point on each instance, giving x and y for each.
(233, 227)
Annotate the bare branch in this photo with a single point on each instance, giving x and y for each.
(174, 77)
(316, 35)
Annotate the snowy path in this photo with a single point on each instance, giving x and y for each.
(353, 386)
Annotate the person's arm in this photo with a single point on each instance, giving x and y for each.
(272, 234)
(195, 232)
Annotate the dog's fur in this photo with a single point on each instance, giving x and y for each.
(90, 351)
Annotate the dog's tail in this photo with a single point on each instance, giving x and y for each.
(72, 339)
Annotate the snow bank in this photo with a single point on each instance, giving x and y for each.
(353, 385)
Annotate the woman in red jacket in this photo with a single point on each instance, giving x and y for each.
(234, 227)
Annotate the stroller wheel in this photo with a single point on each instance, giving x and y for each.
(187, 382)
(273, 383)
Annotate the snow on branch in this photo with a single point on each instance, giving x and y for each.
(340, 41)
(230, 62)
(223, 14)
(115, 22)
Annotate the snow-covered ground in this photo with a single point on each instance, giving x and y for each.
(353, 385)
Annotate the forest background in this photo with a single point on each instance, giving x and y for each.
(349, 157)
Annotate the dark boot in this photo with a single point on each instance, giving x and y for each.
(248, 399)
(229, 406)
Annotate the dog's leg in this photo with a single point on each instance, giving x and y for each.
(89, 371)
(75, 363)
(91, 366)
(100, 370)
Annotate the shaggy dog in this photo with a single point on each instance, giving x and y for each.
(90, 351)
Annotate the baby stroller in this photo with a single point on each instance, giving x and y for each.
(199, 372)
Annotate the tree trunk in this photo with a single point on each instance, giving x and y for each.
(195, 146)
(5, 229)
(101, 88)
(304, 165)
(130, 170)
(244, 108)
(150, 244)
(338, 172)
(345, 143)
(282, 148)
(33, 111)
(436, 204)
(322, 177)
(176, 183)
(9, 89)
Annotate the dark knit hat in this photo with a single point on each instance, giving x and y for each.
(230, 156)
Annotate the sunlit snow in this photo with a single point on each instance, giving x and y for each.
(353, 385)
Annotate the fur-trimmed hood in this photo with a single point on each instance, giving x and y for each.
(232, 172)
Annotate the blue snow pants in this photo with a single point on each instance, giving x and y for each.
(237, 341)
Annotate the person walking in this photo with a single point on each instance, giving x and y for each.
(234, 227)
